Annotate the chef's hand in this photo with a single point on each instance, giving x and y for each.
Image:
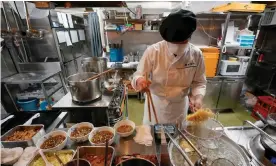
(142, 84)
(196, 102)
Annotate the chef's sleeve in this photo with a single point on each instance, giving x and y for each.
(144, 66)
(199, 82)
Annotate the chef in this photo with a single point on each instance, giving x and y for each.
(176, 70)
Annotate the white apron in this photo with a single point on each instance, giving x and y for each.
(167, 112)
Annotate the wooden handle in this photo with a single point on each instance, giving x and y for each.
(148, 101)
(150, 97)
(98, 75)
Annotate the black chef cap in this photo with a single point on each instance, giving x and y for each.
(178, 26)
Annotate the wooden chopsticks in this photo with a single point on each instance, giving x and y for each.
(150, 102)
(98, 75)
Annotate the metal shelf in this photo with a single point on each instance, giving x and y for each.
(130, 20)
(38, 93)
(133, 31)
(225, 13)
(227, 19)
(75, 58)
(62, 28)
(238, 47)
(28, 78)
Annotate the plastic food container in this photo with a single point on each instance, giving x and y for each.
(246, 40)
(36, 157)
(28, 105)
(31, 142)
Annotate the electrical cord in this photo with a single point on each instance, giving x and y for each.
(206, 32)
(125, 5)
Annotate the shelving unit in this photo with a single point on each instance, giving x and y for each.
(131, 20)
(45, 91)
(133, 31)
(227, 20)
(69, 56)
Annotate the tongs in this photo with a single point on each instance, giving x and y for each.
(203, 159)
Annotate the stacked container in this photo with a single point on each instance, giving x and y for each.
(211, 55)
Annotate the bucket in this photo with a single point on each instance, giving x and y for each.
(28, 104)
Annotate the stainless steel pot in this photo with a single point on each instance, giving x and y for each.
(84, 91)
(95, 64)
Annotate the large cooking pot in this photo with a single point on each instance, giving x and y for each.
(270, 129)
(84, 91)
(95, 64)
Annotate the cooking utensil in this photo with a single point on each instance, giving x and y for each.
(228, 150)
(59, 160)
(106, 153)
(95, 64)
(150, 102)
(126, 121)
(98, 75)
(6, 119)
(29, 122)
(44, 158)
(202, 157)
(78, 156)
(173, 141)
(84, 91)
(270, 129)
(268, 136)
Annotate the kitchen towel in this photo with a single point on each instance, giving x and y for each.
(143, 135)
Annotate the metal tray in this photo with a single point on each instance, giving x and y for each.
(229, 150)
(26, 143)
(51, 153)
(95, 150)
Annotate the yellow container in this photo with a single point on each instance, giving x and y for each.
(209, 49)
(138, 26)
(232, 59)
(211, 61)
(240, 7)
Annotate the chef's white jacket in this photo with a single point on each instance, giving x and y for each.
(171, 77)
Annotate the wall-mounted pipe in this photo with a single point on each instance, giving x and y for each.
(6, 19)
(27, 15)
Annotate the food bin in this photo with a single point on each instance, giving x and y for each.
(26, 143)
(95, 150)
(70, 151)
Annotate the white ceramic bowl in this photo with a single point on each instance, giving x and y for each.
(98, 129)
(53, 133)
(82, 138)
(125, 122)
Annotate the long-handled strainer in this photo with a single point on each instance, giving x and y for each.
(201, 162)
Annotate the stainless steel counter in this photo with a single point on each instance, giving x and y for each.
(66, 102)
(242, 135)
